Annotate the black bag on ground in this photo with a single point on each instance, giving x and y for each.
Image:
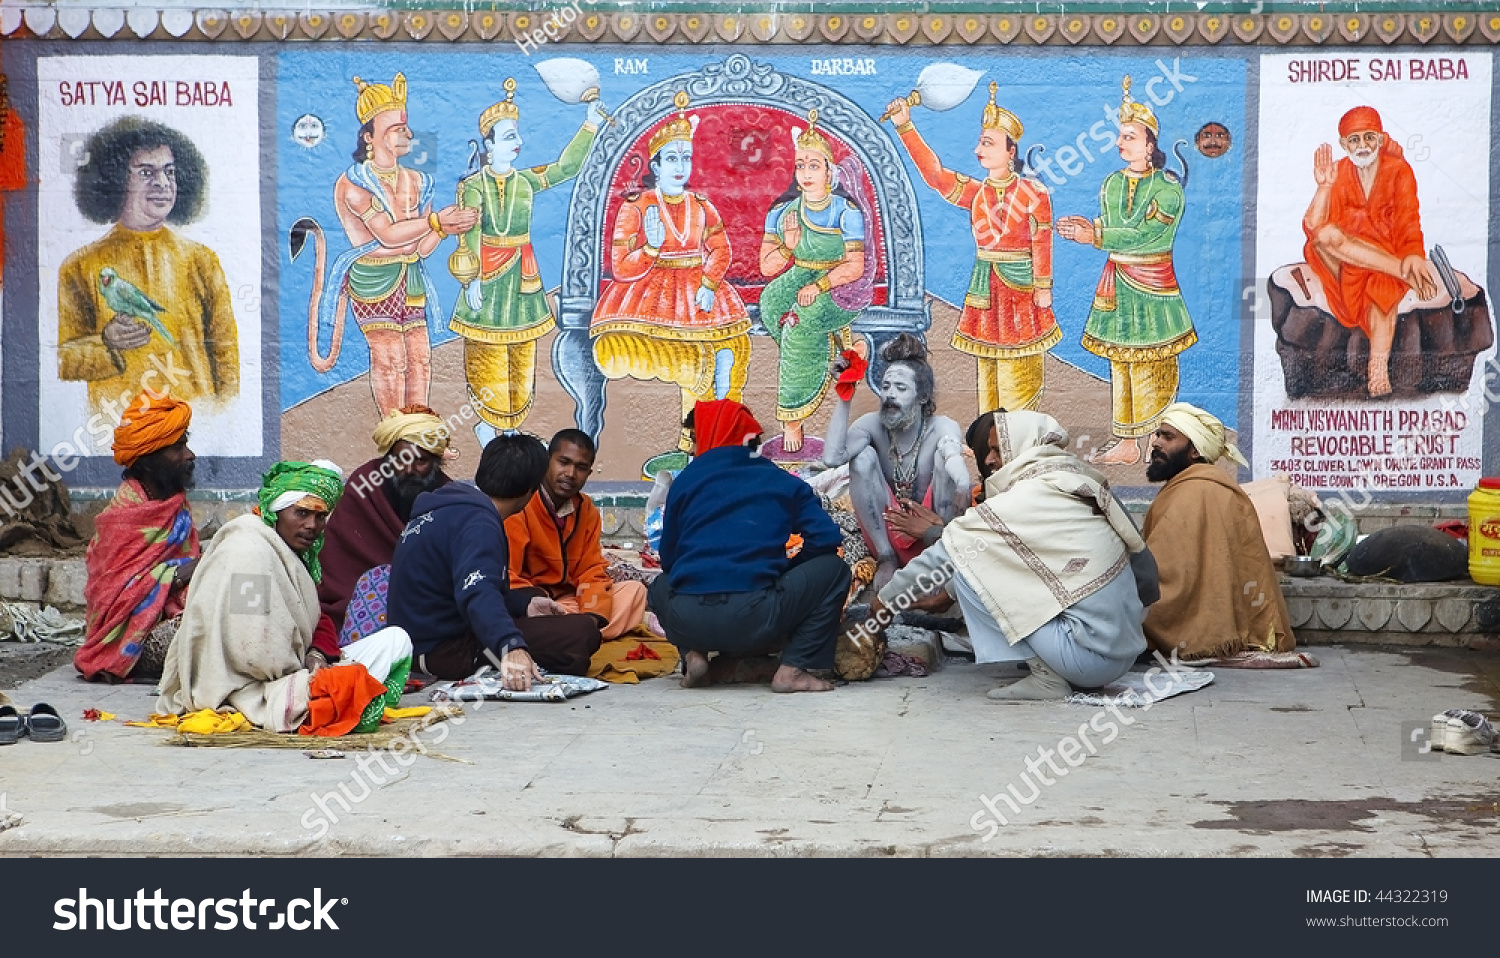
(1410, 554)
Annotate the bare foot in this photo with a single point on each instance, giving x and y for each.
(791, 436)
(885, 572)
(1380, 385)
(791, 679)
(1126, 452)
(695, 670)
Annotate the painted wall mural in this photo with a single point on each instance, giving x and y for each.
(149, 269)
(1373, 243)
(601, 235)
(662, 219)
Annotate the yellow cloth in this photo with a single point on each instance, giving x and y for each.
(687, 364)
(182, 275)
(420, 429)
(1204, 431)
(504, 373)
(416, 711)
(1141, 392)
(201, 722)
(1011, 384)
(610, 665)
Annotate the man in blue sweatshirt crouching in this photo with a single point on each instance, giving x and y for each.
(751, 560)
(450, 581)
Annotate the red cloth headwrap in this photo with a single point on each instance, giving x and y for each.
(723, 422)
(1363, 118)
(1359, 119)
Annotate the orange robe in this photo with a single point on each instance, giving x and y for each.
(1388, 219)
(1011, 220)
(654, 292)
(566, 561)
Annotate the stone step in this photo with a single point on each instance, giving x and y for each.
(1325, 610)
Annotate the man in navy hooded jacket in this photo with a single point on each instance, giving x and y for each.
(450, 581)
(751, 560)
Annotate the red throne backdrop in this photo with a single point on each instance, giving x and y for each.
(742, 161)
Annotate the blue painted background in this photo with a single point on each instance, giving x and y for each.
(1056, 97)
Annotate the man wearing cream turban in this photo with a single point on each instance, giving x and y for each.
(412, 445)
(252, 636)
(1219, 591)
(144, 548)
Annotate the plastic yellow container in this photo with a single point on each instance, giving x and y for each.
(1484, 532)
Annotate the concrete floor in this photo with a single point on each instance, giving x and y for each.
(1295, 763)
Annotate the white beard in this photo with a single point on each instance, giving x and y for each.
(1364, 162)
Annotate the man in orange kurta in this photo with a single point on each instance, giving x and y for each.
(555, 547)
(1364, 235)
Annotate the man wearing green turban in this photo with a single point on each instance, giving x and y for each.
(296, 499)
(253, 636)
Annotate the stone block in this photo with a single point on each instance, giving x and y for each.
(33, 579)
(10, 578)
(65, 582)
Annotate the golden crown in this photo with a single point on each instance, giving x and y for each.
(377, 98)
(506, 109)
(680, 129)
(999, 118)
(1133, 112)
(811, 139)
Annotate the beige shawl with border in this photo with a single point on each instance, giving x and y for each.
(251, 611)
(1048, 534)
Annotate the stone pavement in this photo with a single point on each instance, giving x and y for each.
(1285, 763)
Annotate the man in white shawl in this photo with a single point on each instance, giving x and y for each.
(1041, 568)
(253, 633)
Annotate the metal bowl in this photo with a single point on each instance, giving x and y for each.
(1302, 566)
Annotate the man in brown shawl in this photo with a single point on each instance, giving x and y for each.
(1219, 592)
(413, 445)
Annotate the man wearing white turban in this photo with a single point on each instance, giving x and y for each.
(1219, 591)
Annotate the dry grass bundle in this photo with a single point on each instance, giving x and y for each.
(387, 735)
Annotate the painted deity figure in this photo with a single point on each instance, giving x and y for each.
(1139, 321)
(1007, 323)
(1364, 235)
(814, 246)
(667, 313)
(903, 459)
(386, 211)
(504, 310)
(143, 296)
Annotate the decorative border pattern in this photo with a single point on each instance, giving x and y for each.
(1018, 28)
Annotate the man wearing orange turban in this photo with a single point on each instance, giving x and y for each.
(144, 548)
(1364, 235)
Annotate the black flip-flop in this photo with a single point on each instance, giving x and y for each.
(45, 725)
(11, 725)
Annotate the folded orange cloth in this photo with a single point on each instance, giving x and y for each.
(337, 697)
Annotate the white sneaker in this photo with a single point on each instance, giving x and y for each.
(1439, 736)
(1469, 733)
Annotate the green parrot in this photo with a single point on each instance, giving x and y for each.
(125, 300)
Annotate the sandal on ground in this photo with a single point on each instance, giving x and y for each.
(11, 725)
(45, 725)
